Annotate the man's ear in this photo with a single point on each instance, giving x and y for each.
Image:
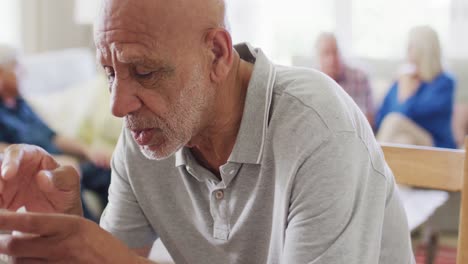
(220, 43)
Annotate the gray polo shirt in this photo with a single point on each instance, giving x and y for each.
(306, 182)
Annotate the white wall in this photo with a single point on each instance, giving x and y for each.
(459, 29)
(50, 25)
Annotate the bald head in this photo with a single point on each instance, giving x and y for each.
(328, 55)
(180, 15)
(326, 38)
(158, 24)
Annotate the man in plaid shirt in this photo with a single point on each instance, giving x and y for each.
(353, 81)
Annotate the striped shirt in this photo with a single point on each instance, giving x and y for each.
(356, 84)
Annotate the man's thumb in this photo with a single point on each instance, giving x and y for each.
(64, 178)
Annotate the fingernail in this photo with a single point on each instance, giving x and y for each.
(48, 174)
(5, 169)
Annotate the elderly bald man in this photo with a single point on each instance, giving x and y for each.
(225, 156)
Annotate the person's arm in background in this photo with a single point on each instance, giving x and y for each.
(76, 148)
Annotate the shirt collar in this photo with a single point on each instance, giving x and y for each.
(253, 128)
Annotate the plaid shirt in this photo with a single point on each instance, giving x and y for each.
(356, 84)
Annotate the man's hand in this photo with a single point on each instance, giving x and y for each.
(408, 82)
(30, 177)
(58, 238)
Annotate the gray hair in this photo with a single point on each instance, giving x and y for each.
(425, 48)
(325, 36)
(8, 55)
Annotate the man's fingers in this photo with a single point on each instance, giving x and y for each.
(30, 261)
(16, 156)
(1, 173)
(39, 224)
(64, 178)
(25, 248)
(11, 161)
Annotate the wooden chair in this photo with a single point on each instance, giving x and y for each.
(434, 168)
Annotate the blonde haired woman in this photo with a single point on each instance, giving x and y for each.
(418, 107)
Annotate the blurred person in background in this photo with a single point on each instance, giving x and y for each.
(354, 81)
(20, 124)
(418, 107)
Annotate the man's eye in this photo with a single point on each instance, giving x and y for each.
(110, 78)
(143, 74)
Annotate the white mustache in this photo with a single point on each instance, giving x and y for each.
(134, 122)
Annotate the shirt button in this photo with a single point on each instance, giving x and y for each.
(219, 195)
(232, 172)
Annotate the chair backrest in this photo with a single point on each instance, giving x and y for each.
(434, 168)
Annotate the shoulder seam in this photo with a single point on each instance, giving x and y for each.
(367, 148)
(306, 106)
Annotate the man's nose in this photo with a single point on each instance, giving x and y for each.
(124, 98)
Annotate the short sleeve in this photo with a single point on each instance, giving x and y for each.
(338, 206)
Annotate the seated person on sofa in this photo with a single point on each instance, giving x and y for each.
(19, 124)
(353, 80)
(417, 109)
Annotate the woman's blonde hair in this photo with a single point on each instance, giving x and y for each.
(424, 46)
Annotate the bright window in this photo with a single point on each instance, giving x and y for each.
(281, 28)
(366, 28)
(10, 23)
(380, 27)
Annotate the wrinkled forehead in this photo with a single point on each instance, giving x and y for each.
(146, 15)
(160, 15)
(117, 16)
(149, 23)
(158, 26)
(129, 30)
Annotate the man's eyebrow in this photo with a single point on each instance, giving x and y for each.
(142, 60)
(130, 58)
(158, 65)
